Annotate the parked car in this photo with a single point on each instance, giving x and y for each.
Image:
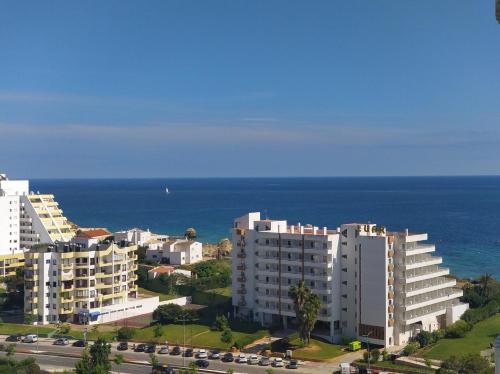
(176, 351)
(31, 338)
(202, 354)
(122, 346)
(61, 341)
(228, 357)
(162, 369)
(150, 348)
(264, 361)
(241, 359)
(189, 352)
(253, 360)
(278, 362)
(140, 348)
(13, 338)
(163, 350)
(293, 364)
(214, 355)
(202, 363)
(80, 343)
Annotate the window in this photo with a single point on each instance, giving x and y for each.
(54, 273)
(47, 261)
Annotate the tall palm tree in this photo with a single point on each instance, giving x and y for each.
(299, 293)
(310, 315)
(307, 306)
(485, 281)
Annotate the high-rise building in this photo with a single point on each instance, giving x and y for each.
(376, 286)
(26, 219)
(84, 281)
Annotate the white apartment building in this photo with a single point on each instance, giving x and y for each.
(175, 252)
(26, 219)
(135, 236)
(84, 281)
(375, 286)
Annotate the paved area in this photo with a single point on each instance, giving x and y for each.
(51, 355)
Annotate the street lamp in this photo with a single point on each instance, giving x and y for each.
(368, 347)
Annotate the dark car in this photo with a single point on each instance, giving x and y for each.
(293, 364)
(228, 357)
(176, 351)
(13, 338)
(123, 346)
(80, 343)
(202, 363)
(163, 369)
(188, 352)
(150, 348)
(140, 347)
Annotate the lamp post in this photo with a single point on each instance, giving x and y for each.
(368, 347)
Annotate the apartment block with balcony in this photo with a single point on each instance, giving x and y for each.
(375, 286)
(85, 281)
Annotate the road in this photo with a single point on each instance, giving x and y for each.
(48, 355)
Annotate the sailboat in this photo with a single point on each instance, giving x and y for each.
(167, 191)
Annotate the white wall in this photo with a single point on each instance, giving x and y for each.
(134, 307)
(454, 313)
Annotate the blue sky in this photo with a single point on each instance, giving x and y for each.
(249, 88)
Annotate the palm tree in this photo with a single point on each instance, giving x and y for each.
(485, 281)
(118, 361)
(307, 306)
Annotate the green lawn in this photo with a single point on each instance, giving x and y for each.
(391, 366)
(195, 334)
(15, 328)
(317, 350)
(476, 340)
(163, 296)
(224, 291)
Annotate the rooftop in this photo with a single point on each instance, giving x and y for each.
(162, 269)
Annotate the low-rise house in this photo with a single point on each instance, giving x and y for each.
(135, 236)
(175, 252)
(159, 270)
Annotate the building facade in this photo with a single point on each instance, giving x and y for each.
(175, 252)
(27, 219)
(83, 281)
(375, 285)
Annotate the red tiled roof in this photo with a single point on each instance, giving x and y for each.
(163, 269)
(94, 233)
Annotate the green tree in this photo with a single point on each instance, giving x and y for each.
(226, 336)
(229, 371)
(153, 359)
(96, 359)
(158, 331)
(468, 364)
(424, 338)
(375, 353)
(84, 366)
(118, 361)
(28, 319)
(10, 350)
(485, 280)
(307, 306)
(269, 371)
(221, 323)
(169, 313)
(125, 333)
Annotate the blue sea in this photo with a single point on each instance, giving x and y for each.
(461, 214)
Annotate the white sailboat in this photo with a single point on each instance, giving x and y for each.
(166, 190)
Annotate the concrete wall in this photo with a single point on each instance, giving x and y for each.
(134, 307)
(454, 313)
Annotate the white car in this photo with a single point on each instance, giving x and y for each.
(278, 362)
(253, 360)
(202, 354)
(241, 359)
(30, 338)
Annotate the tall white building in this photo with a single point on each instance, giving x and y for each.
(27, 219)
(375, 286)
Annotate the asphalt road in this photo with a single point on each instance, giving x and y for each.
(45, 354)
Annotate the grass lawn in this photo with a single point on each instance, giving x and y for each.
(15, 328)
(224, 291)
(163, 296)
(317, 350)
(476, 340)
(391, 366)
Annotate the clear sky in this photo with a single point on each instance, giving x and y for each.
(249, 88)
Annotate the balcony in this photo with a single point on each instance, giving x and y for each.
(431, 298)
(65, 310)
(242, 279)
(416, 315)
(429, 272)
(416, 249)
(390, 322)
(390, 281)
(241, 267)
(390, 295)
(421, 261)
(390, 309)
(425, 286)
(242, 302)
(242, 291)
(241, 254)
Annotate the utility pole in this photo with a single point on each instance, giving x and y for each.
(368, 346)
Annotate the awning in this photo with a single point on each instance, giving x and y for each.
(94, 314)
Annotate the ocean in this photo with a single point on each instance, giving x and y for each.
(460, 214)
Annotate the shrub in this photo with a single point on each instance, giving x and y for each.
(411, 348)
(474, 316)
(424, 338)
(365, 356)
(438, 334)
(458, 329)
(220, 324)
(173, 313)
(226, 336)
(375, 353)
(126, 333)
